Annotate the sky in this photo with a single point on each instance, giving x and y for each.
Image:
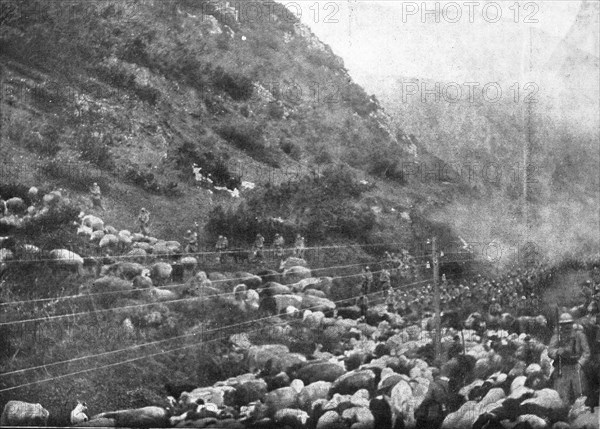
(458, 41)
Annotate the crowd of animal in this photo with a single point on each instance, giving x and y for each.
(375, 371)
(378, 375)
(375, 368)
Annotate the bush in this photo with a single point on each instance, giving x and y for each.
(275, 110)
(77, 176)
(329, 200)
(147, 93)
(37, 143)
(211, 164)
(325, 59)
(189, 70)
(387, 169)
(50, 95)
(323, 157)
(143, 179)
(223, 41)
(385, 164)
(249, 138)
(115, 76)
(239, 87)
(135, 52)
(149, 182)
(95, 147)
(291, 149)
(359, 100)
(215, 106)
(42, 139)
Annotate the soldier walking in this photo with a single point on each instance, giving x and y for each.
(279, 243)
(591, 328)
(144, 220)
(259, 243)
(299, 246)
(96, 195)
(367, 280)
(570, 350)
(386, 287)
(191, 239)
(221, 246)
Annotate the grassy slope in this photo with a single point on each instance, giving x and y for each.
(71, 86)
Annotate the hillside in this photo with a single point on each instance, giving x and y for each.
(556, 117)
(131, 94)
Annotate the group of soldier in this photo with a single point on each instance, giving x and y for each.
(222, 245)
(367, 280)
(574, 345)
(143, 218)
(278, 246)
(575, 348)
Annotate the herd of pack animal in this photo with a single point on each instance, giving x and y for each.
(374, 375)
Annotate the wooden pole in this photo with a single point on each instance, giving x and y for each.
(527, 147)
(436, 300)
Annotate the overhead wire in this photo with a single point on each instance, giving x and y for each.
(177, 285)
(402, 287)
(158, 353)
(33, 258)
(105, 310)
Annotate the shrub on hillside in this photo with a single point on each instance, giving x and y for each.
(149, 182)
(223, 41)
(189, 70)
(147, 93)
(239, 87)
(115, 76)
(324, 59)
(275, 110)
(291, 149)
(249, 138)
(143, 179)
(323, 157)
(386, 164)
(95, 147)
(118, 77)
(386, 169)
(215, 165)
(77, 176)
(135, 51)
(43, 140)
(328, 205)
(359, 100)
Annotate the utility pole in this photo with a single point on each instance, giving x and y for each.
(527, 110)
(436, 300)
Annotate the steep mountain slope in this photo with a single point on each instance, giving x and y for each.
(131, 94)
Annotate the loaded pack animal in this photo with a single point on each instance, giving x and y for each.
(19, 413)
